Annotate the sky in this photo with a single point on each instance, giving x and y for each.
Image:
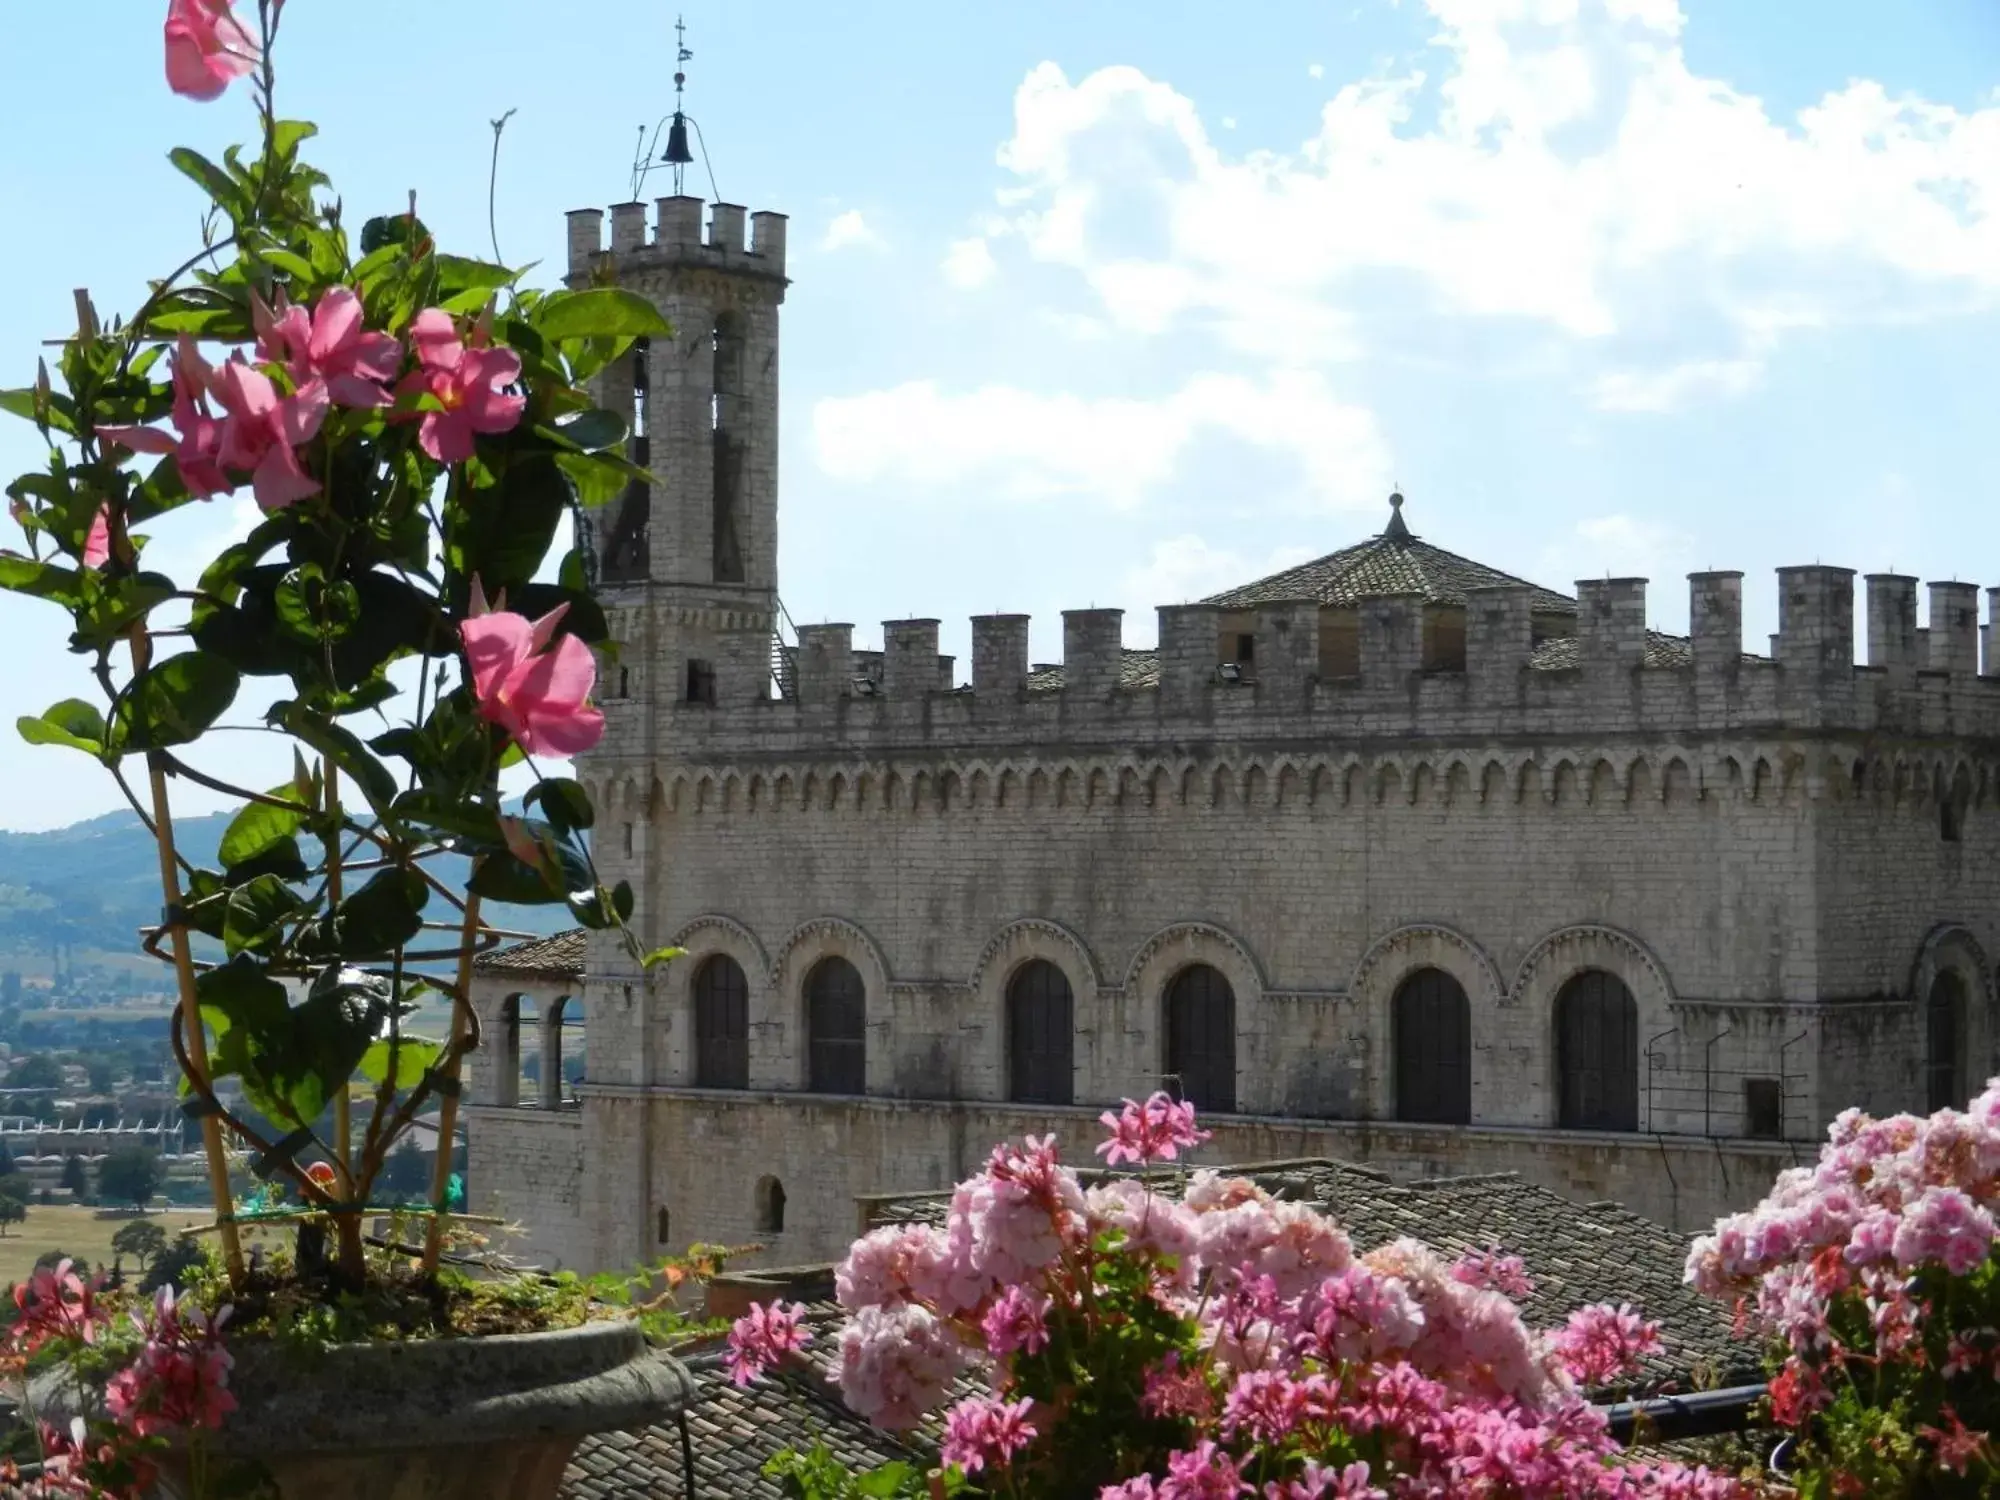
(1126, 302)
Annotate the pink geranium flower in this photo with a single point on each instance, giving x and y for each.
(264, 430)
(763, 1337)
(330, 345)
(466, 381)
(531, 683)
(54, 1304)
(207, 47)
(983, 1430)
(199, 443)
(1154, 1131)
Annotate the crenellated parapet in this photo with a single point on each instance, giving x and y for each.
(1283, 672)
(674, 237)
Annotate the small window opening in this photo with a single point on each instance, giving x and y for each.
(1763, 1108)
(1951, 817)
(770, 1206)
(628, 840)
(1246, 650)
(701, 682)
(664, 1226)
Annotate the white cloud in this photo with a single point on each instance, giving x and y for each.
(1315, 70)
(1185, 568)
(1572, 173)
(969, 263)
(848, 230)
(1030, 445)
(1622, 546)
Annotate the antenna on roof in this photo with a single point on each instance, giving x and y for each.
(677, 155)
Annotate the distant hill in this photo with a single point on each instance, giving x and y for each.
(91, 886)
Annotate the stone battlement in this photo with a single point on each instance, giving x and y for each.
(1262, 674)
(676, 238)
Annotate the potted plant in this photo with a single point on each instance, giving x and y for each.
(415, 428)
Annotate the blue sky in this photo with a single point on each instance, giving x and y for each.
(1121, 303)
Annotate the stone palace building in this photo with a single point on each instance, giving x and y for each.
(1390, 858)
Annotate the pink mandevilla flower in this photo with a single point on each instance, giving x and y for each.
(1157, 1130)
(763, 1337)
(207, 47)
(466, 382)
(264, 430)
(97, 542)
(330, 345)
(197, 450)
(532, 683)
(984, 1430)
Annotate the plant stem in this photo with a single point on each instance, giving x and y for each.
(453, 1071)
(343, 1130)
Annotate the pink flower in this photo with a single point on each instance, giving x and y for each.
(1958, 1446)
(1203, 1472)
(984, 1430)
(465, 381)
(196, 453)
(1946, 1226)
(206, 47)
(763, 1337)
(1175, 1391)
(180, 1381)
(1489, 1270)
(264, 429)
(54, 1304)
(330, 345)
(897, 1363)
(97, 544)
(532, 684)
(1018, 1319)
(1602, 1342)
(1154, 1131)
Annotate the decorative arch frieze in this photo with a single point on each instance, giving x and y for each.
(1173, 948)
(1019, 943)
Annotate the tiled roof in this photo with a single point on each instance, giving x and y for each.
(733, 1432)
(1140, 669)
(559, 957)
(1662, 650)
(1393, 563)
(1577, 1254)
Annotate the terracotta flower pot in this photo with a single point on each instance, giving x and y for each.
(448, 1419)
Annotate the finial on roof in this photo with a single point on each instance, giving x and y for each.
(1396, 530)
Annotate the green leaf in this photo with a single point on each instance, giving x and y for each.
(211, 179)
(600, 478)
(173, 702)
(382, 916)
(564, 803)
(599, 312)
(341, 747)
(57, 413)
(288, 135)
(23, 575)
(621, 900)
(502, 877)
(257, 913)
(260, 827)
(414, 1057)
(593, 431)
(661, 956)
(503, 533)
(71, 722)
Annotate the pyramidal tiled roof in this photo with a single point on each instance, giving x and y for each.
(557, 957)
(1396, 562)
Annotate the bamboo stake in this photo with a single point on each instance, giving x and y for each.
(448, 1104)
(343, 1125)
(141, 647)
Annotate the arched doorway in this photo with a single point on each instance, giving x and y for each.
(1597, 1053)
(1432, 1024)
(1201, 1038)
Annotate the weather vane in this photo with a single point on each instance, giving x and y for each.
(677, 155)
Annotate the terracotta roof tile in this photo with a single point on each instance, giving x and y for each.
(1385, 564)
(560, 956)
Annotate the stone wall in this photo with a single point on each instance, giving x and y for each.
(526, 1167)
(712, 1150)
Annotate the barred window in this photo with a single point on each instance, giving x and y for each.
(836, 1013)
(1432, 1022)
(721, 1025)
(1597, 1053)
(1041, 1029)
(1201, 1038)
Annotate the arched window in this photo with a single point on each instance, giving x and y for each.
(721, 1024)
(1432, 1023)
(1041, 1027)
(770, 1206)
(1597, 1053)
(1201, 1038)
(837, 1046)
(1944, 1042)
